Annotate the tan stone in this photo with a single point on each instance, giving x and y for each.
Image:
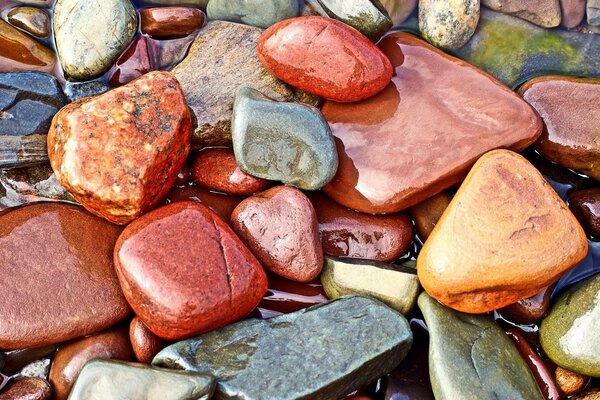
(545, 13)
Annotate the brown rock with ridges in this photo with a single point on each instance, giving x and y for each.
(145, 343)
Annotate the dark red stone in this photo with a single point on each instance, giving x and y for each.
(285, 296)
(171, 21)
(145, 343)
(529, 310)
(222, 204)
(133, 63)
(26, 389)
(585, 204)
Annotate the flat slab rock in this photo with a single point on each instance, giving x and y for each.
(322, 352)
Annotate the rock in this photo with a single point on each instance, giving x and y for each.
(145, 343)
(593, 12)
(585, 204)
(570, 138)
(18, 359)
(20, 52)
(161, 257)
(27, 389)
(37, 369)
(75, 293)
(137, 138)
(184, 176)
(529, 310)
(211, 74)
(71, 357)
(448, 25)
(591, 394)
(190, 3)
(114, 380)
(567, 332)
(396, 286)
(166, 54)
(572, 12)
(280, 227)
(294, 51)
(38, 3)
(411, 115)
(132, 64)
(544, 13)
(220, 203)
(399, 10)
(569, 382)
(505, 236)
(78, 90)
(427, 213)
(285, 296)
(113, 23)
(471, 358)
(259, 13)
(28, 101)
(282, 357)
(285, 142)
(32, 20)
(216, 169)
(368, 17)
(347, 233)
(163, 22)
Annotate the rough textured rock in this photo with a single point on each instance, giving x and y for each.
(427, 213)
(31, 19)
(544, 13)
(259, 13)
(585, 204)
(78, 90)
(368, 17)
(20, 52)
(572, 12)
(145, 343)
(27, 389)
(163, 22)
(448, 24)
(569, 382)
(283, 358)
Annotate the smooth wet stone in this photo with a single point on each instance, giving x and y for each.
(112, 24)
(285, 296)
(368, 17)
(75, 293)
(132, 64)
(283, 358)
(572, 12)
(78, 90)
(115, 380)
(259, 13)
(167, 54)
(28, 101)
(544, 13)
(448, 24)
(396, 286)
(145, 344)
(20, 52)
(529, 310)
(567, 334)
(347, 233)
(585, 204)
(593, 12)
(399, 10)
(137, 138)
(591, 394)
(191, 3)
(285, 142)
(161, 258)
(16, 360)
(565, 104)
(216, 169)
(27, 389)
(294, 50)
(220, 203)
(471, 111)
(280, 227)
(33, 20)
(184, 176)
(470, 357)
(72, 356)
(427, 213)
(505, 236)
(212, 72)
(569, 382)
(163, 22)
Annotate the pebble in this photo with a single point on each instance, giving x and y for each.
(117, 380)
(592, 394)
(285, 296)
(216, 169)
(20, 52)
(399, 10)
(282, 357)
(471, 357)
(568, 333)
(31, 19)
(162, 22)
(529, 310)
(469, 109)
(137, 139)
(161, 257)
(505, 236)
(58, 277)
(585, 204)
(280, 227)
(167, 54)
(368, 17)
(569, 382)
(18, 359)
(191, 3)
(77, 90)
(72, 356)
(570, 138)
(113, 23)
(294, 50)
(448, 24)
(220, 203)
(259, 13)
(544, 13)
(396, 286)
(27, 389)
(593, 12)
(572, 12)
(145, 344)
(427, 213)
(132, 64)
(36, 369)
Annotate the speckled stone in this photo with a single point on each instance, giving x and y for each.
(544, 13)
(448, 24)
(593, 12)
(569, 383)
(572, 12)
(284, 142)
(145, 344)
(399, 10)
(283, 357)
(368, 17)
(585, 204)
(77, 90)
(27, 389)
(20, 52)
(33, 20)
(259, 13)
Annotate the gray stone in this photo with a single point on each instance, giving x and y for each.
(544, 13)
(322, 352)
(118, 380)
(286, 142)
(368, 17)
(78, 90)
(593, 12)
(260, 13)
(470, 357)
(448, 25)
(90, 35)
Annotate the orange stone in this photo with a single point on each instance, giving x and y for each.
(20, 52)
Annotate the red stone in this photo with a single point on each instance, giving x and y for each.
(185, 272)
(133, 63)
(216, 169)
(585, 204)
(183, 177)
(171, 21)
(222, 204)
(280, 227)
(285, 296)
(145, 343)
(26, 389)
(119, 153)
(324, 57)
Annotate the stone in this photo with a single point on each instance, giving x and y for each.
(161, 258)
(190, 3)
(38, 3)
(570, 139)
(368, 17)
(216, 169)
(18, 359)
(285, 142)
(259, 13)
(31, 19)
(427, 213)
(411, 115)
(282, 357)
(115, 380)
(591, 394)
(27, 389)
(347, 233)
(184, 176)
(113, 23)
(470, 357)
(72, 356)
(28, 101)
(36, 369)
(211, 74)
(399, 10)
(293, 50)
(132, 64)
(77, 90)
(145, 344)
(137, 138)
(167, 54)
(285, 296)
(544, 13)
(448, 24)
(64, 289)
(593, 12)
(505, 236)
(220, 203)
(280, 227)
(572, 12)
(164, 22)
(529, 310)
(567, 332)
(569, 382)
(585, 204)
(395, 285)
(20, 52)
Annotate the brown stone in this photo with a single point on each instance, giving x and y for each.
(529, 310)
(18, 359)
(171, 21)
(427, 213)
(221, 204)
(145, 343)
(31, 19)
(20, 52)
(545, 13)
(573, 12)
(569, 383)
(133, 63)
(27, 389)
(585, 204)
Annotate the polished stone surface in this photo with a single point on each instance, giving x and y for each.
(369, 17)
(20, 52)
(31, 19)
(161, 22)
